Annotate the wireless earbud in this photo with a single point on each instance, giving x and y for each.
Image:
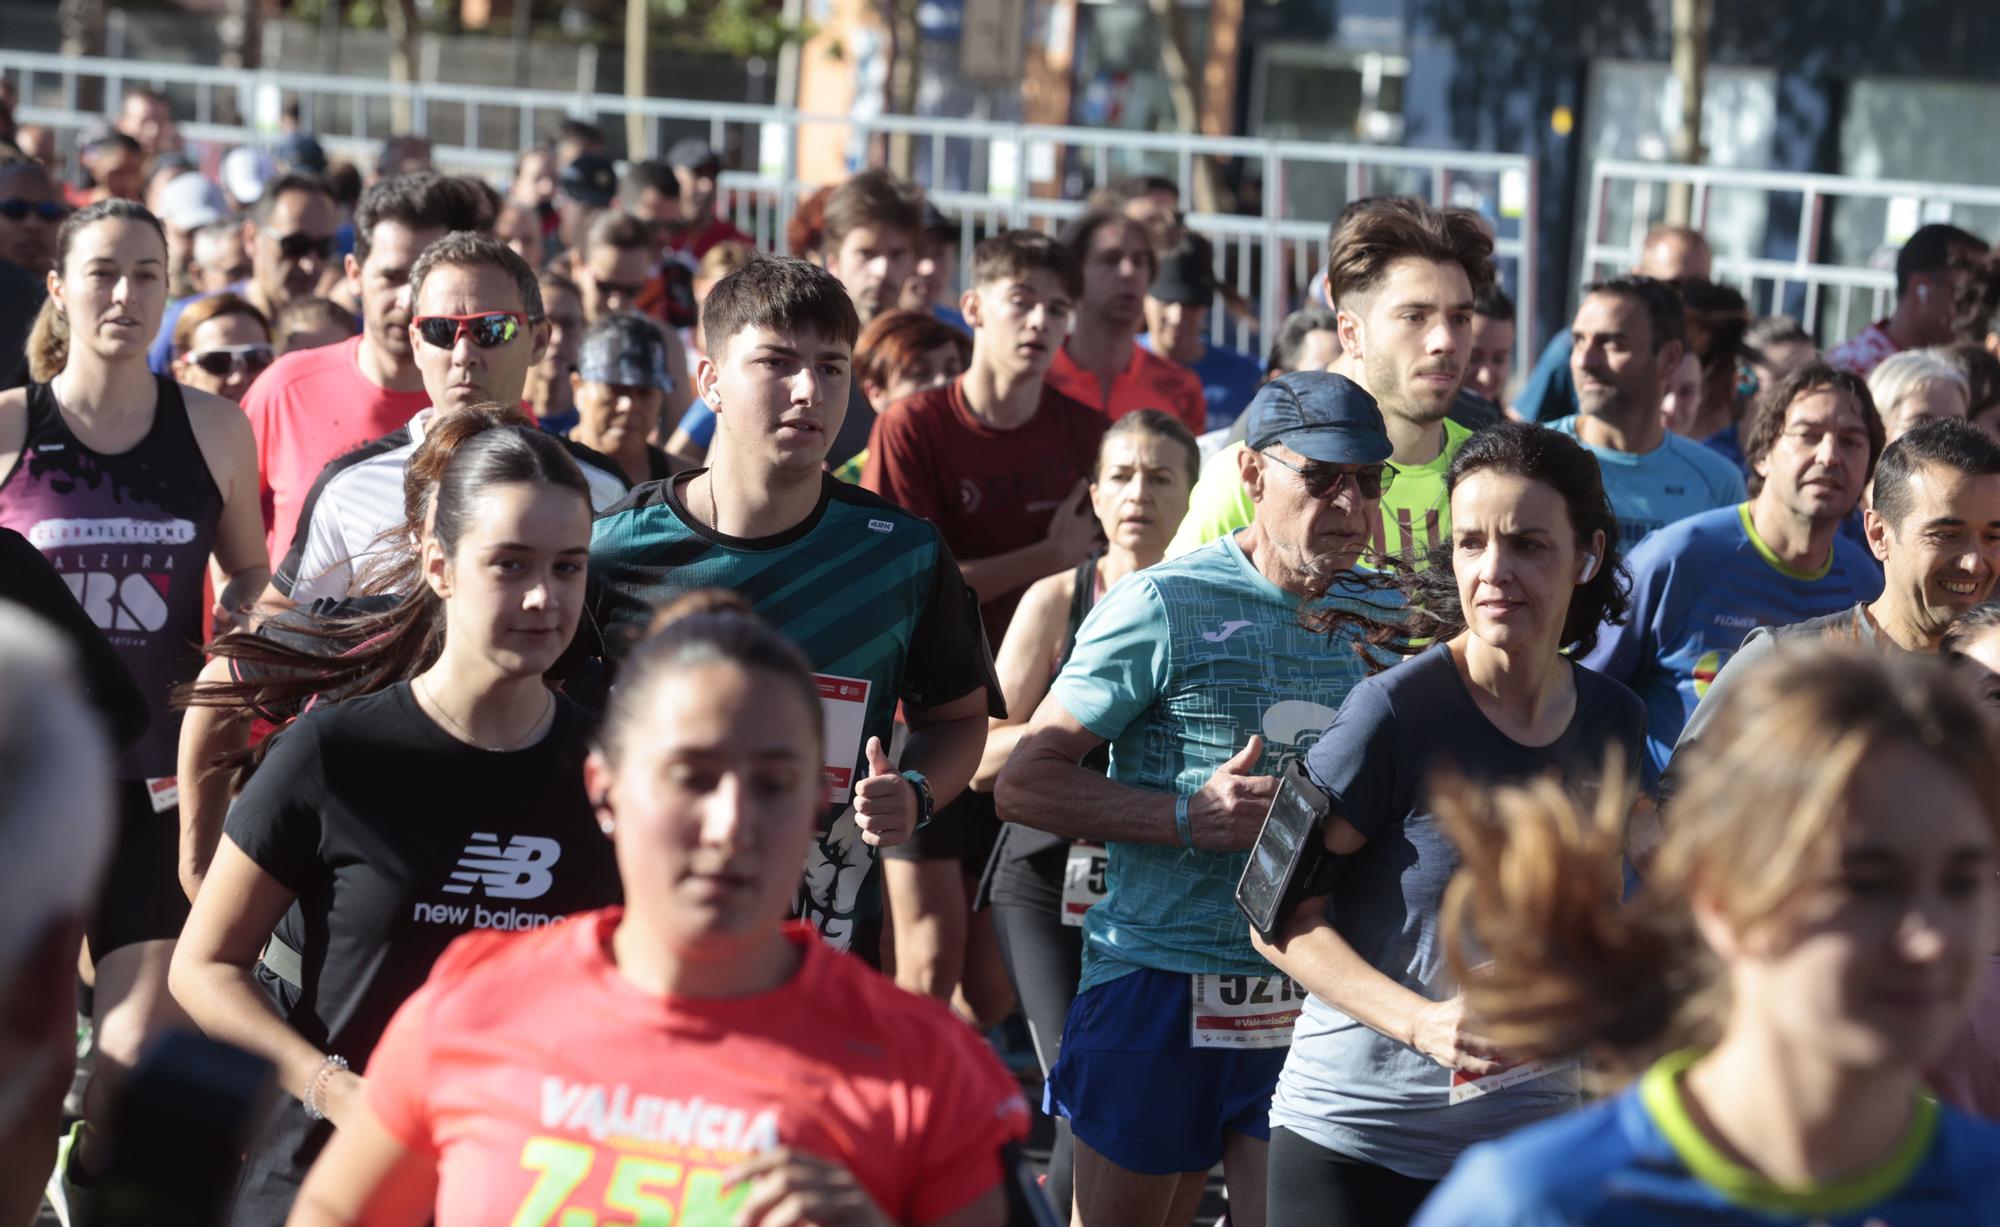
(1923, 293)
(1588, 569)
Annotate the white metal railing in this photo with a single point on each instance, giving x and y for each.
(989, 174)
(1819, 284)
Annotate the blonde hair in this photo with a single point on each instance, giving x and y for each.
(1757, 821)
(1902, 375)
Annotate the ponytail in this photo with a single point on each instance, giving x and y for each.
(48, 343)
(1537, 892)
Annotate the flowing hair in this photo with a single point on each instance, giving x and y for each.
(1758, 823)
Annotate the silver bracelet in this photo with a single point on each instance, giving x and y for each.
(317, 1083)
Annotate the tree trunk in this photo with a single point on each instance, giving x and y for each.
(905, 52)
(635, 78)
(241, 28)
(402, 20)
(1691, 23)
(82, 25)
(1181, 90)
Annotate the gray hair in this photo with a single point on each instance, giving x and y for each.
(1910, 372)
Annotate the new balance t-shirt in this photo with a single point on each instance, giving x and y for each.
(1177, 667)
(353, 515)
(1639, 1160)
(1675, 480)
(546, 1088)
(868, 591)
(1147, 382)
(1346, 1086)
(1699, 587)
(308, 407)
(396, 837)
(989, 491)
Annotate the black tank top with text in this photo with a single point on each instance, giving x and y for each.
(131, 535)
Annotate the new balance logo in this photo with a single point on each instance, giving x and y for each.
(1228, 629)
(520, 870)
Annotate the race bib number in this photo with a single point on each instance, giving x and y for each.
(1083, 881)
(1465, 1086)
(164, 793)
(1243, 1011)
(844, 702)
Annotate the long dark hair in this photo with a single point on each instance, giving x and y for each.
(402, 641)
(1430, 586)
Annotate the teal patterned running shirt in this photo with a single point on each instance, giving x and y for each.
(1176, 667)
(867, 590)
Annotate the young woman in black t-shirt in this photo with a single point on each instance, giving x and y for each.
(300, 657)
(379, 828)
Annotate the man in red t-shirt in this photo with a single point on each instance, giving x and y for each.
(1001, 463)
(313, 405)
(1102, 364)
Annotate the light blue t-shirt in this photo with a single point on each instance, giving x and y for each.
(1675, 480)
(1176, 667)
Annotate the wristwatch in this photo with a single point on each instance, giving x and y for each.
(924, 804)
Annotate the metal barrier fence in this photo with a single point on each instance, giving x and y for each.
(989, 175)
(1841, 231)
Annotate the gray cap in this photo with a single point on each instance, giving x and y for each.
(1319, 415)
(189, 202)
(694, 153)
(627, 350)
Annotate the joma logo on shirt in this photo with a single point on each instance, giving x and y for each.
(520, 870)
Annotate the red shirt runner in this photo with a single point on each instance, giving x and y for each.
(1147, 382)
(549, 1089)
(989, 491)
(308, 408)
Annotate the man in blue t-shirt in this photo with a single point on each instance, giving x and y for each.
(1177, 307)
(1700, 585)
(1630, 332)
(1198, 673)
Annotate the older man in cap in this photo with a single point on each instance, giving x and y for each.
(620, 382)
(1199, 675)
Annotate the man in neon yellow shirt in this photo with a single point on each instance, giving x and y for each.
(1402, 276)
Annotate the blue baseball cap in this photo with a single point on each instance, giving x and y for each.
(626, 350)
(1319, 415)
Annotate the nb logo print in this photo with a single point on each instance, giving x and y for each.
(520, 870)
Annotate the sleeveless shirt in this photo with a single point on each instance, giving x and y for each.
(131, 535)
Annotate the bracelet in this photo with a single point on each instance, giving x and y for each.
(1181, 822)
(317, 1083)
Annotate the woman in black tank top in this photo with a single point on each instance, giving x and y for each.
(1038, 885)
(136, 491)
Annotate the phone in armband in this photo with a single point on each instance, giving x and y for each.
(1289, 861)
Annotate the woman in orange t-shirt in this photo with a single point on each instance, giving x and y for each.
(690, 1057)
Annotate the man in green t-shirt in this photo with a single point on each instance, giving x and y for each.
(1402, 277)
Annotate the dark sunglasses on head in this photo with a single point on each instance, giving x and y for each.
(18, 210)
(1322, 480)
(487, 329)
(299, 246)
(224, 359)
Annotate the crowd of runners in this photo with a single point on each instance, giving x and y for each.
(625, 727)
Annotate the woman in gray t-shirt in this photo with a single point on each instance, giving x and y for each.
(1387, 1079)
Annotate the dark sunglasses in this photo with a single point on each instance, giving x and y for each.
(299, 246)
(19, 210)
(1323, 480)
(224, 359)
(487, 329)
(630, 289)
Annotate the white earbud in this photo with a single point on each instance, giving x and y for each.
(1588, 569)
(1923, 293)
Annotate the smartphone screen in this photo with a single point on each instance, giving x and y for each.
(1274, 860)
